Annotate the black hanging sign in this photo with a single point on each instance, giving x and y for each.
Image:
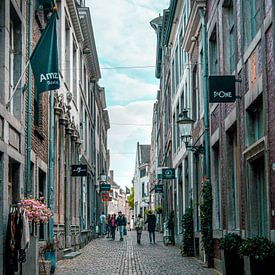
(222, 88)
(79, 170)
(168, 173)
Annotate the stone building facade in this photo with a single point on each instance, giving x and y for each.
(81, 123)
(239, 42)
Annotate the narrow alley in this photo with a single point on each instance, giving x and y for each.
(103, 256)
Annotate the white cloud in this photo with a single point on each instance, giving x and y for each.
(134, 122)
(124, 37)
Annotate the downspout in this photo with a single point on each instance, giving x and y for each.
(28, 164)
(94, 157)
(207, 194)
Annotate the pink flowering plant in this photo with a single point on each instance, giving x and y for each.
(36, 210)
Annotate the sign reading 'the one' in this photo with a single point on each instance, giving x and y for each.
(222, 88)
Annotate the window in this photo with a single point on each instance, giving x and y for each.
(15, 63)
(252, 15)
(194, 95)
(216, 188)
(177, 66)
(213, 53)
(178, 128)
(143, 189)
(254, 121)
(228, 35)
(67, 54)
(75, 73)
(232, 178)
(142, 173)
(173, 78)
(174, 133)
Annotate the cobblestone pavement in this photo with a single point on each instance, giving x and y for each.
(102, 256)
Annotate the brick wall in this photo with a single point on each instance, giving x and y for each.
(271, 114)
(39, 134)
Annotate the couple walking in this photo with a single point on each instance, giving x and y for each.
(119, 223)
(139, 223)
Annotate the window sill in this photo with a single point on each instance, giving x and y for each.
(38, 132)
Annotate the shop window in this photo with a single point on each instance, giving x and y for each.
(180, 198)
(257, 198)
(14, 181)
(42, 197)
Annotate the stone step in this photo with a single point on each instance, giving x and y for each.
(71, 255)
(67, 250)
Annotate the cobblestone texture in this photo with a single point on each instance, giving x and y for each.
(103, 256)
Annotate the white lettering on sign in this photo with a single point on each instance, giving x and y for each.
(48, 76)
(222, 94)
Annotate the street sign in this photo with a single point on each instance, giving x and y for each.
(168, 173)
(159, 188)
(105, 196)
(105, 187)
(79, 170)
(222, 88)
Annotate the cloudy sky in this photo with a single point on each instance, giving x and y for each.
(124, 38)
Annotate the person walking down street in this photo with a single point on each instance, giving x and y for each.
(151, 220)
(102, 224)
(112, 226)
(139, 226)
(121, 223)
(108, 231)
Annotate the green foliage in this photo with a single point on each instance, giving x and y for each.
(257, 247)
(188, 233)
(158, 209)
(206, 223)
(131, 197)
(231, 242)
(146, 212)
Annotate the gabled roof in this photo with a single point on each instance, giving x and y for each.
(144, 153)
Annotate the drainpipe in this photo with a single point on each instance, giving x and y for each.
(28, 162)
(209, 234)
(94, 157)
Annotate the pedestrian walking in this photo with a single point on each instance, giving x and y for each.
(139, 227)
(112, 226)
(102, 224)
(151, 220)
(121, 223)
(108, 231)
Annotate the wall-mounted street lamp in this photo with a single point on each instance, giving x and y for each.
(185, 124)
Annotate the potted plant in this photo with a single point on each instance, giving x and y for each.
(188, 233)
(259, 255)
(230, 245)
(50, 253)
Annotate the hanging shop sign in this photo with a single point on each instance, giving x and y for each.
(105, 196)
(159, 188)
(79, 170)
(105, 187)
(222, 88)
(168, 173)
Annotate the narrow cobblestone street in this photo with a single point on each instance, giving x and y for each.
(103, 256)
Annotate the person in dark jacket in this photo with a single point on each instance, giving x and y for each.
(151, 220)
(112, 226)
(121, 223)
